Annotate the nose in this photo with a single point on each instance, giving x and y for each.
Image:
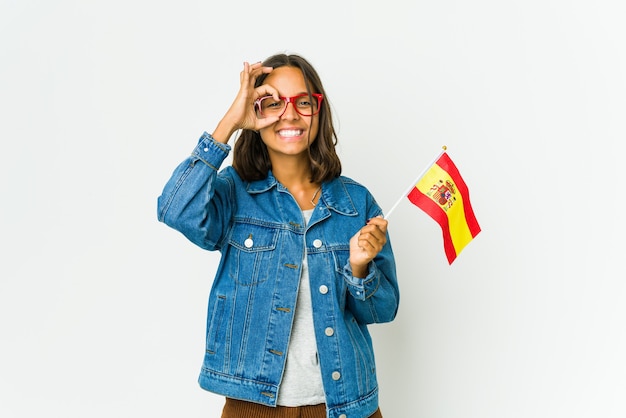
(289, 113)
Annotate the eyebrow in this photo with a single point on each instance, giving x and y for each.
(299, 94)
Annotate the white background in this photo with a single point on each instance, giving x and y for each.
(102, 308)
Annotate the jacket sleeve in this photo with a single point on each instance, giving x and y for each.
(196, 200)
(375, 298)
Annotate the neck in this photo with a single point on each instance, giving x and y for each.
(296, 177)
(291, 172)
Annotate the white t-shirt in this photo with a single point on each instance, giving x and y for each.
(302, 379)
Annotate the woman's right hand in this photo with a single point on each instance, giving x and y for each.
(241, 114)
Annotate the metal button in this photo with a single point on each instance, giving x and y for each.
(206, 149)
(323, 289)
(329, 331)
(336, 375)
(317, 243)
(343, 416)
(248, 243)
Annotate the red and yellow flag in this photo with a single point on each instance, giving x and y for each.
(442, 194)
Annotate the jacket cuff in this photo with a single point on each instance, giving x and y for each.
(362, 289)
(211, 152)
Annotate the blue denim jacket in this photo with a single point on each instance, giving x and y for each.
(259, 229)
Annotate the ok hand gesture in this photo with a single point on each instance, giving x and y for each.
(241, 114)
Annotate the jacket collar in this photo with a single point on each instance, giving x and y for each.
(334, 193)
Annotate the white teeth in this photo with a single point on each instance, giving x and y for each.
(290, 132)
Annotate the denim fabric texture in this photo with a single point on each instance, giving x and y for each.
(259, 229)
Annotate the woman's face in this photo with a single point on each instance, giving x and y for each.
(290, 135)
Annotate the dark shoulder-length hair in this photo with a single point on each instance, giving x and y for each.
(250, 156)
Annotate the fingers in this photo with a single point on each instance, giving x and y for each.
(241, 114)
(251, 72)
(373, 236)
(248, 78)
(380, 222)
(265, 90)
(371, 241)
(366, 244)
(258, 67)
(375, 231)
(265, 122)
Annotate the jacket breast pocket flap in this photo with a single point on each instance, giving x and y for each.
(253, 247)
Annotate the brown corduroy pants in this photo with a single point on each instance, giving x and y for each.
(242, 409)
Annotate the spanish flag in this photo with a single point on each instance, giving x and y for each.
(442, 194)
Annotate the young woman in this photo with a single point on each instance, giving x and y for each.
(306, 262)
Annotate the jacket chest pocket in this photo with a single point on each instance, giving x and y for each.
(253, 251)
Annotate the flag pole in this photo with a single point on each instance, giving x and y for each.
(443, 149)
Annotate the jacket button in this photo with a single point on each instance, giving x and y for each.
(343, 416)
(323, 289)
(336, 375)
(248, 243)
(317, 243)
(329, 331)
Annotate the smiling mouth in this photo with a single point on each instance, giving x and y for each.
(290, 133)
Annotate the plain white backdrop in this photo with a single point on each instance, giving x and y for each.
(102, 309)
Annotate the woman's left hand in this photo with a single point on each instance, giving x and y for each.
(366, 244)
